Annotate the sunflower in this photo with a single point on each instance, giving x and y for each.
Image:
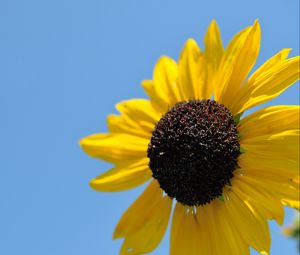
(220, 176)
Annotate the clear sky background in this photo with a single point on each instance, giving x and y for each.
(64, 64)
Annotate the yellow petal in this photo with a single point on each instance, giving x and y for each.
(185, 232)
(227, 63)
(122, 177)
(213, 54)
(244, 61)
(138, 117)
(268, 166)
(269, 205)
(115, 148)
(165, 78)
(283, 145)
(208, 238)
(253, 228)
(270, 138)
(280, 56)
(239, 58)
(217, 242)
(163, 89)
(267, 84)
(226, 239)
(270, 120)
(283, 191)
(191, 72)
(143, 225)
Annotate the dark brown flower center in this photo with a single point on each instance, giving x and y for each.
(193, 151)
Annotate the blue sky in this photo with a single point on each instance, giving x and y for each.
(64, 65)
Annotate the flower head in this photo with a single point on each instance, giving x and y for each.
(225, 174)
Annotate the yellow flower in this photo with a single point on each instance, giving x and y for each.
(226, 176)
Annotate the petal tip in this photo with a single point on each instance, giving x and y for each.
(256, 26)
(213, 23)
(94, 184)
(116, 235)
(91, 183)
(147, 83)
(190, 43)
(82, 142)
